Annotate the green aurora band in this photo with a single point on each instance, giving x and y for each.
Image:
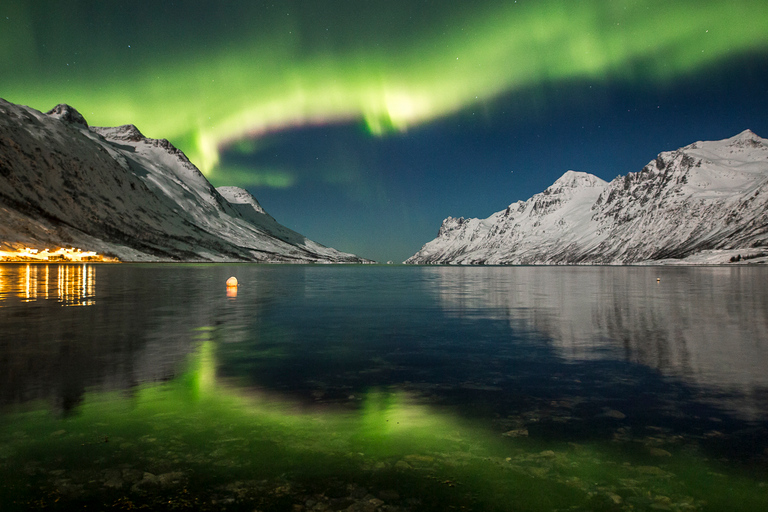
(249, 86)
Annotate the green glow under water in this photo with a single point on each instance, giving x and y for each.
(216, 435)
(247, 86)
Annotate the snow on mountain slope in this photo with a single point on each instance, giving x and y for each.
(249, 209)
(706, 198)
(114, 191)
(238, 196)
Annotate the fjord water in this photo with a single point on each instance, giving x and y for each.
(383, 387)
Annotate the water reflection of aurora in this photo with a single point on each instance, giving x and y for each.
(212, 440)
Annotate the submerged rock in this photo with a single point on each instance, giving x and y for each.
(612, 413)
(113, 478)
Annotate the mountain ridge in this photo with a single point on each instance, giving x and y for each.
(703, 203)
(117, 192)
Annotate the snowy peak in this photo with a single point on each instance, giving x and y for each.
(67, 114)
(744, 141)
(129, 133)
(747, 138)
(706, 198)
(577, 179)
(126, 133)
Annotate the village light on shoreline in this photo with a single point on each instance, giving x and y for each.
(59, 255)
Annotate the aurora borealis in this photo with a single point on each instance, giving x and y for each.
(363, 124)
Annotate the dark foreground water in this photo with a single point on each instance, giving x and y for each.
(380, 388)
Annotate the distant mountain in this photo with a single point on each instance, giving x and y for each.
(704, 203)
(116, 192)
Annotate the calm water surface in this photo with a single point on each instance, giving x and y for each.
(383, 388)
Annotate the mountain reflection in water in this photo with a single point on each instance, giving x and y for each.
(707, 325)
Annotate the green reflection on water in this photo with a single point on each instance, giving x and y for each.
(199, 443)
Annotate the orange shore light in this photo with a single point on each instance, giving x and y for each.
(53, 256)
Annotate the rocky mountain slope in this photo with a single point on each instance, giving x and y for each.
(704, 203)
(116, 192)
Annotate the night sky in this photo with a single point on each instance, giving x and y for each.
(363, 124)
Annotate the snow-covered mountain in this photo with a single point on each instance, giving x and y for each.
(116, 192)
(704, 203)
